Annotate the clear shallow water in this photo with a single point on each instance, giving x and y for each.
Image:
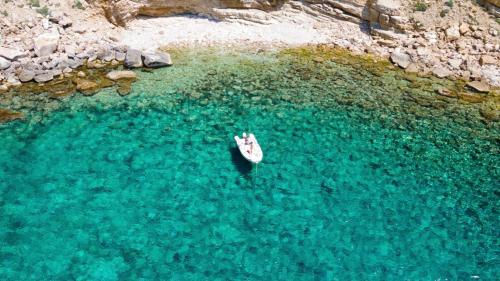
(358, 182)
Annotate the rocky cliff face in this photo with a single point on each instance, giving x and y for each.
(120, 12)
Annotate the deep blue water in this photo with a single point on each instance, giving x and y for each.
(151, 187)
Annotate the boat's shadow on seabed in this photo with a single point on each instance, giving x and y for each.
(243, 166)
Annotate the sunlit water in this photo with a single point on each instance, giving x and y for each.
(360, 181)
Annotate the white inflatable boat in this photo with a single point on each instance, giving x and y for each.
(249, 148)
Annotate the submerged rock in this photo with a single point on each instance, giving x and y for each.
(85, 86)
(124, 87)
(7, 115)
(470, 97)
(125, 74)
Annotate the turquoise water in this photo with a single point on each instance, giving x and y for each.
(365, 177)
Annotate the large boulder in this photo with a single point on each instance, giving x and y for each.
(133, 58)
(46, 43)
(4, 63)
(156, 59)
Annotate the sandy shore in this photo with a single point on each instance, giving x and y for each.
(201, 31)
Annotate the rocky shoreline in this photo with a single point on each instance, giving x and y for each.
(42, 46)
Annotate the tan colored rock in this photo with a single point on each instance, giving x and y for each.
(125, 74)
(487, 59)
(86, 86)
(479, 86)
(441, 71)
(470, 97)
(464, 28)
(412, 68)
(7, 115)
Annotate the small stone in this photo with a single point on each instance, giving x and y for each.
(441, 71)
(75, 62)
(125, 74)
(453, 33)
(477, 34)
(45, 24)
(446, 93)
(119, 56)
(455, 63)
(423, 51)
(412, 68)
(464, 28)
(95, 64)
(479, 86)
(80, 74)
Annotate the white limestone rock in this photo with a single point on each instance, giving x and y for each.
(46, 43)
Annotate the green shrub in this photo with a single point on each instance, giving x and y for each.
(420, 6)
(5, 13)
(44, 11)
(79, 5)
(34, 3)
(449, 3)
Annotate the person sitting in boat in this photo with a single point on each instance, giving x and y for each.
(247, 139)
(248, 142)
